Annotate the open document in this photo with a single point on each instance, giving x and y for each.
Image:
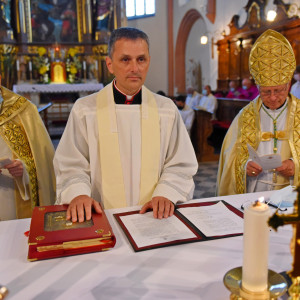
(190, 223)
(267, 162)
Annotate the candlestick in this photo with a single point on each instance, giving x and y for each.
(256, 247)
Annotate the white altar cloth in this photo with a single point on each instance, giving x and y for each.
(57, 88)
(189, 271)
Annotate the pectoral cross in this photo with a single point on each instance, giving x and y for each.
(280, 220)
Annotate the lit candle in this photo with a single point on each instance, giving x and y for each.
(30, 66)
(256, 247)
(18, 65)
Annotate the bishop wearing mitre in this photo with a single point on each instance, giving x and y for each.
(269, 124)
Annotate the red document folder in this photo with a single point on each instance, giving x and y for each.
(199, 236)
(51, 235)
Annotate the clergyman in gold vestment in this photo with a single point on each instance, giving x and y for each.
(270, 124)
(25, 141)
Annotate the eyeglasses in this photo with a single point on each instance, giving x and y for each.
(276, 92)
(266, 202)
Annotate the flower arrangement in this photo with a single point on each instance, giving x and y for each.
(42, 64)
(73, 66)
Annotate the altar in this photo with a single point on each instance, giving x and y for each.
(33, 92)
(188, 271)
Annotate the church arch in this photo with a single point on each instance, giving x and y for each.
(186, 24)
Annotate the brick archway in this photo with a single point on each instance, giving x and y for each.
(184, 29)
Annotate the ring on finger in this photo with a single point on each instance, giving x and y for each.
(253, 172)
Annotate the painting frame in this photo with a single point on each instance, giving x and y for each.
(48, 23)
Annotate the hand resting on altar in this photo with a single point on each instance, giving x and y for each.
(80, 208)
(162, 207)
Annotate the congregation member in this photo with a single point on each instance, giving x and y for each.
(249, 90)
(124, 145)
(234, 90)
(192, 97)
(26, 151)
(208, 101)
(295, 90)
(268, 124)
(187, 114)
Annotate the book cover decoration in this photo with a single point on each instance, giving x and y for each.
(51, 235)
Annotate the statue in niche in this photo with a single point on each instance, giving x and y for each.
(103, 9)
(5, 14)
(194, 75)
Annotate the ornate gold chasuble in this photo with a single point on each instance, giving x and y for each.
(246, 130)
(113, 189)
(20, 128)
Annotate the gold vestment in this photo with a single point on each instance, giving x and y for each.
(245, 129)
(25, 134)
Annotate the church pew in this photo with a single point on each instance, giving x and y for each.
(207, 134)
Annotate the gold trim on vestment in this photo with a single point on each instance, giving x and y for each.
(280, 135)
(15, 136)
(248, 122)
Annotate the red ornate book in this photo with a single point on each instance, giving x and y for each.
(51, 235)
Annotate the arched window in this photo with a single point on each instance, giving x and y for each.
(140, 8)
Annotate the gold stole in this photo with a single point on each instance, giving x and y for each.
(113, 189)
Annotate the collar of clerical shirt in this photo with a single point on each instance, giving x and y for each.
(121, 98)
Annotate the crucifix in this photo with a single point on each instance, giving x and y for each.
(294, 219)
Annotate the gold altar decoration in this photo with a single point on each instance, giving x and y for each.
(58, 72)
(272, 61)
(294, 219)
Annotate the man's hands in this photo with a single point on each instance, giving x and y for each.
(287, 168)
(162, 207)
(253, 169)
(15, 168)
(80, 206)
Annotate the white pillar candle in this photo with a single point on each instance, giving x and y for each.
(256, 247)
(18, 65)
(84, 65)
(96, 65)
(30, 66)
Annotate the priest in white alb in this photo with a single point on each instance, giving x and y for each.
(124, 145)
(270, 124)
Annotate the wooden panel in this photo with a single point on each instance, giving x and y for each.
(234, 60)
(229, 108)
(202, 129)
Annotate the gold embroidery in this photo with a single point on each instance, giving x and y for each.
(11, 110)
(296, 133)
(280, 135)
(247, 135)
(16, 138)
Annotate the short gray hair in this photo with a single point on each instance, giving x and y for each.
(125, 33)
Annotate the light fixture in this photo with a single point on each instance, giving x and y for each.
(271, 15)
(204, 40)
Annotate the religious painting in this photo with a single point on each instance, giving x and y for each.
(103, 14)
(54, 21)
(5, 14)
